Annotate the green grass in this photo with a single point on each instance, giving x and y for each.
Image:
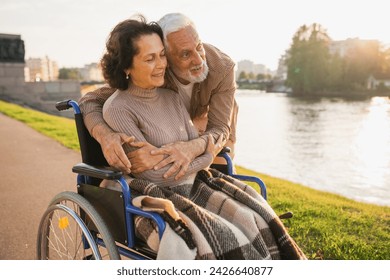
(325, 226)
(328, 226)
(61, 129)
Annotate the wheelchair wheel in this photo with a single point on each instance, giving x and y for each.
(72, 229)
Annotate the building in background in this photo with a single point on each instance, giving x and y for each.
(91, 73)
(281, 72)
(340, 48)
(45, 70)
(343, 46)
(249, 67)
(18, 79)
(41, 69)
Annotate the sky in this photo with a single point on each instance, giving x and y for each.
(74, 32)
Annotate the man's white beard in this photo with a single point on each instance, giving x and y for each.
(201, 77)
(192, 79)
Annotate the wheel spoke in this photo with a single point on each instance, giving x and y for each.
(65, 231)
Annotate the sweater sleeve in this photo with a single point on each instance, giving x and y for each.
(91, 105)
(199, 163)
(156, 176)
(124, 121)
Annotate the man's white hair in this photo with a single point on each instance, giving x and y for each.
(173, 22)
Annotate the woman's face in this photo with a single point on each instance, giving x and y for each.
(149, 64)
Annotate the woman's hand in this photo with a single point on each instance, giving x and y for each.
(215, 148)
(141, 159)
(179, 155)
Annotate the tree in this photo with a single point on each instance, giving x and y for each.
(242, 76)
(385, 63)
(308, 60)
(362, 60)
(260, 77)
(336, 77)
(69, 74)
(251, 76)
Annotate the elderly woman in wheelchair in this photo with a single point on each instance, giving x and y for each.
(204, 215)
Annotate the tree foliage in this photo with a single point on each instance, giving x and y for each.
(312, 68)
(243, 76)
(69, 74)
(308, 60)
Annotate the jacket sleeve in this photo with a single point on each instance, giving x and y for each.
(91, 106)
(221, 107)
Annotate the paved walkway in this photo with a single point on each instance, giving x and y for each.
(33, 168)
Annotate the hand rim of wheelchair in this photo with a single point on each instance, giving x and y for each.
(87, 238)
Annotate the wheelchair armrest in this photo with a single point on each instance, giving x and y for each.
(97, 172)
(225, 150)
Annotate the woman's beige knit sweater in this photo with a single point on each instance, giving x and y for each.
(158, 117)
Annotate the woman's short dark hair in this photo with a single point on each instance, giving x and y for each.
(121, 49)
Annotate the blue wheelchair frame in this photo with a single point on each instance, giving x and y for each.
(86, 172)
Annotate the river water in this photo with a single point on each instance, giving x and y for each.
(331, 144)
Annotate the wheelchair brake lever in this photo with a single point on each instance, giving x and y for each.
(286, 215)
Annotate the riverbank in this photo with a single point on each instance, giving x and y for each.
(325, 226)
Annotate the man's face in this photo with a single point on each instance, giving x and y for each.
(186, 55)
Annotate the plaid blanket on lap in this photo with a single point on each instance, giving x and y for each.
(218, 217)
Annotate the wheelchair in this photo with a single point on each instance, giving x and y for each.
(97, 223)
